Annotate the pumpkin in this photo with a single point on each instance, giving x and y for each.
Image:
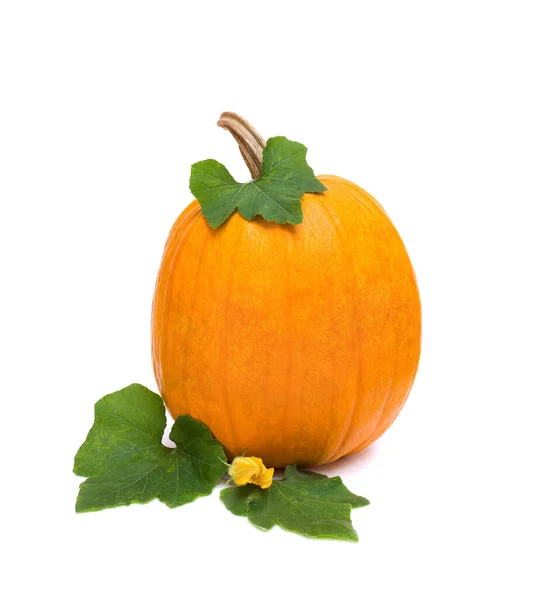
(298, 344)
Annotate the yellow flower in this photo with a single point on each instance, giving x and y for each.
(249, 469)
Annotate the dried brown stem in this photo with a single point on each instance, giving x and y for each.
(251, 144)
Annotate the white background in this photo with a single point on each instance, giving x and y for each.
(429, 106)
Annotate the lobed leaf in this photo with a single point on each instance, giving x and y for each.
(303, 502)
(125, 461)
(276, 195)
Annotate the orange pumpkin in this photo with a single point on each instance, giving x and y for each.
(294, 343)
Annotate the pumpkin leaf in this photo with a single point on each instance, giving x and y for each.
(303, 502)
(275, 195)
(125, 461)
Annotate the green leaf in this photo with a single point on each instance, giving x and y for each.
(303, 502)
(275, 195)
(125, 461)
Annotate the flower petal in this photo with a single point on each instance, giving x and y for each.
(250, 469)
(244, 468)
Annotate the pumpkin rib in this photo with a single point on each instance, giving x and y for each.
(385, 425)
(223, 355)
(388, 395)
(371, 209)
(269, 387)
(318, 458)
(392, 395)
(185, 400)
(289, 346)
(386, 420)
(170, 254)
(171, 281)
(333, 454)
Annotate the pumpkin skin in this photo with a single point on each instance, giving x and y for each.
(297, 344)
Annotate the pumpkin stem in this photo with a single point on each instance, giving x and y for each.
(251, 144)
